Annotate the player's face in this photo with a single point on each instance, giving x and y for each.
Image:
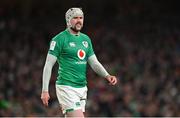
(77, 23)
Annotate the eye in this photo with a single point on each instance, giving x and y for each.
(75, 18)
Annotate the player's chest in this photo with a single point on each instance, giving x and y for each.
(74, 47)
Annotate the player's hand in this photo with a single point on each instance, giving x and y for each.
(45, 97)
(111, 79)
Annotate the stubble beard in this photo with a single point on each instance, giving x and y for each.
(75, 29)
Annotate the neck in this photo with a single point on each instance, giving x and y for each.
(73, 32)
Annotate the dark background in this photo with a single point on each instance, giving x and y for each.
(136, 40)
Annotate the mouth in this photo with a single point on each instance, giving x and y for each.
(78, 24)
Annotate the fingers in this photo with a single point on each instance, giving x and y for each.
(45, 101)
(45, 98)
(112, 80)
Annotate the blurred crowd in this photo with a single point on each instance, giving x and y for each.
(143, 52)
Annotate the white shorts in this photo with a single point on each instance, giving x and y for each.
(71, 98)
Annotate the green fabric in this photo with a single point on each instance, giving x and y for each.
(78, 104)
(72, 53)
(69, 110)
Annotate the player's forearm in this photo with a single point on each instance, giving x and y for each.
(97, 66)
(50, 61)
(46, 78)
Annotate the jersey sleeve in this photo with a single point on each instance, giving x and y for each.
(55, 47)
(90, 51)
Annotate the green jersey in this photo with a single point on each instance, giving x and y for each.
(72, 53)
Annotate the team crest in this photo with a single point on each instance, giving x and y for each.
(81, 54)
(85, 43)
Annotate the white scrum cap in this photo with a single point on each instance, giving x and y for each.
(73, 12)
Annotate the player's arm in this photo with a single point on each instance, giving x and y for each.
(100, 70)
(50, 61)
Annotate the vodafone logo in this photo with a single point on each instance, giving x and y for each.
(81, 54)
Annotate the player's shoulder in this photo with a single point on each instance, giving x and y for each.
(59, 36)
(85, 36)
